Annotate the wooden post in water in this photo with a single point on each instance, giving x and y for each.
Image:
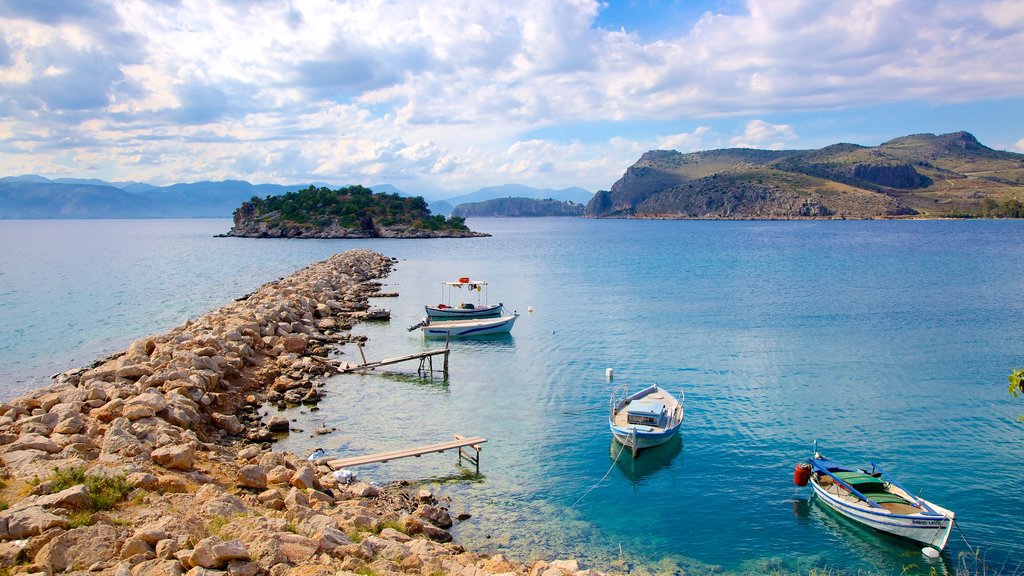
(361, 355)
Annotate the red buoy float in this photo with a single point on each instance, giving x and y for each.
(802, 474)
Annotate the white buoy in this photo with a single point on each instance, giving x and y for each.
(930, 552)
(608, 373)
(529, 308)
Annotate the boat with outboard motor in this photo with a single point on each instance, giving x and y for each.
(645, 419)
(468, 327)
(876, 500)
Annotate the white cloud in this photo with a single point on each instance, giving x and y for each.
(448, 93)
(760, 134)
(1019, 146)
(685, 142)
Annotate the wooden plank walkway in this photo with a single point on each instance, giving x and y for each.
(459, 443)
(421, 356)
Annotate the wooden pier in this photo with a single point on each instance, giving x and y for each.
(426, 361)
(461, 443)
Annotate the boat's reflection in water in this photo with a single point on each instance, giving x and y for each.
(648, 460)
(884, 551)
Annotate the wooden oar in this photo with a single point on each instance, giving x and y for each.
(852, 490)
(920, 503)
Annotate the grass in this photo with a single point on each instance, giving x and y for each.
(366, 571)
(393, 524)
(105, 492)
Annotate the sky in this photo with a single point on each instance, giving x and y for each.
(444, 97)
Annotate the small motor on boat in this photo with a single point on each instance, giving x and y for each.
(801, 474)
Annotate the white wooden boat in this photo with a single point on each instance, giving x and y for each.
(876, 500)
(645, 419)
(472, 327)
(463, 310)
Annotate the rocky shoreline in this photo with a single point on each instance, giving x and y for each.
(156, 462)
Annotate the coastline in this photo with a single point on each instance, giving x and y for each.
(175, 419)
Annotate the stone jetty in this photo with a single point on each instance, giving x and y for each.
(156, 462)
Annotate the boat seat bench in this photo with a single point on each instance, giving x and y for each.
(870, 486)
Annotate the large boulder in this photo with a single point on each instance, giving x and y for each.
(174, 457)
(81, 547)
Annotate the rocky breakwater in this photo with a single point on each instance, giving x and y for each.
(152, 462)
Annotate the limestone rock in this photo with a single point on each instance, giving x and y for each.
(83, 546)
(174, 457)
(34, 442)
(31, 521)
(252, 476)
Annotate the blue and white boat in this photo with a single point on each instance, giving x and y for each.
(876, 500)
(645, 419)
(464, 310)
(472, 327)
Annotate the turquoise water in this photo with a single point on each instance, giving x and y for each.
(885, 341)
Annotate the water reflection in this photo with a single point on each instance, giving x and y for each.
(877, 548)
(647, 462)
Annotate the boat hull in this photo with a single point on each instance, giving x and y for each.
(639, 437)
(449, 312)
(640, 440)
(927, 529)
(464, 328)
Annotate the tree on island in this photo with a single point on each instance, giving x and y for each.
(355, 207)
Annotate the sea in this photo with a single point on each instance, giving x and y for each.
(885, 342)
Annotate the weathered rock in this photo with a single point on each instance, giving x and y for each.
(73, 497)
(83, 546)
(174, 457)
(228, 423)
(435, 515)
(305, 478)
(278, 424)
(30, 521)
(280, 475)
(34, 442)
(252, 476)
(363, 490)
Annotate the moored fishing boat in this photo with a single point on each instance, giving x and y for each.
(645, 419)
(471, 327)
(876, 500)
(463, 310)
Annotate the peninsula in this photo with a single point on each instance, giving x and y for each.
(917, 176)
(156, 461)
(349, 212)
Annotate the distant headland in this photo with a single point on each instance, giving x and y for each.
(919, 176)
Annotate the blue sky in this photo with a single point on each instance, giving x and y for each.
(443, 97)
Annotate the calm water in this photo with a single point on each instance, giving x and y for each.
(885, 341)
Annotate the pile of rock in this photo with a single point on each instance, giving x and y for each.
(174, 417)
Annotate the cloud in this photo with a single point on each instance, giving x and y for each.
(685, 142)
(760, 134)
(449, 93)
(1019, 146)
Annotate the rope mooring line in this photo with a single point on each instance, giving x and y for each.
(580, 499)
(969, 547)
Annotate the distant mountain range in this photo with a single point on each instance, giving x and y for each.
(922, 174)
(34, 196)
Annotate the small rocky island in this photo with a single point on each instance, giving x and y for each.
(349, 212)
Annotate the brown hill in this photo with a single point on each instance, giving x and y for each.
(921, 174)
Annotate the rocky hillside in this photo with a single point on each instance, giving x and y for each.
(157, 461)
(518, 207)
(351, 212)
(923, 174)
